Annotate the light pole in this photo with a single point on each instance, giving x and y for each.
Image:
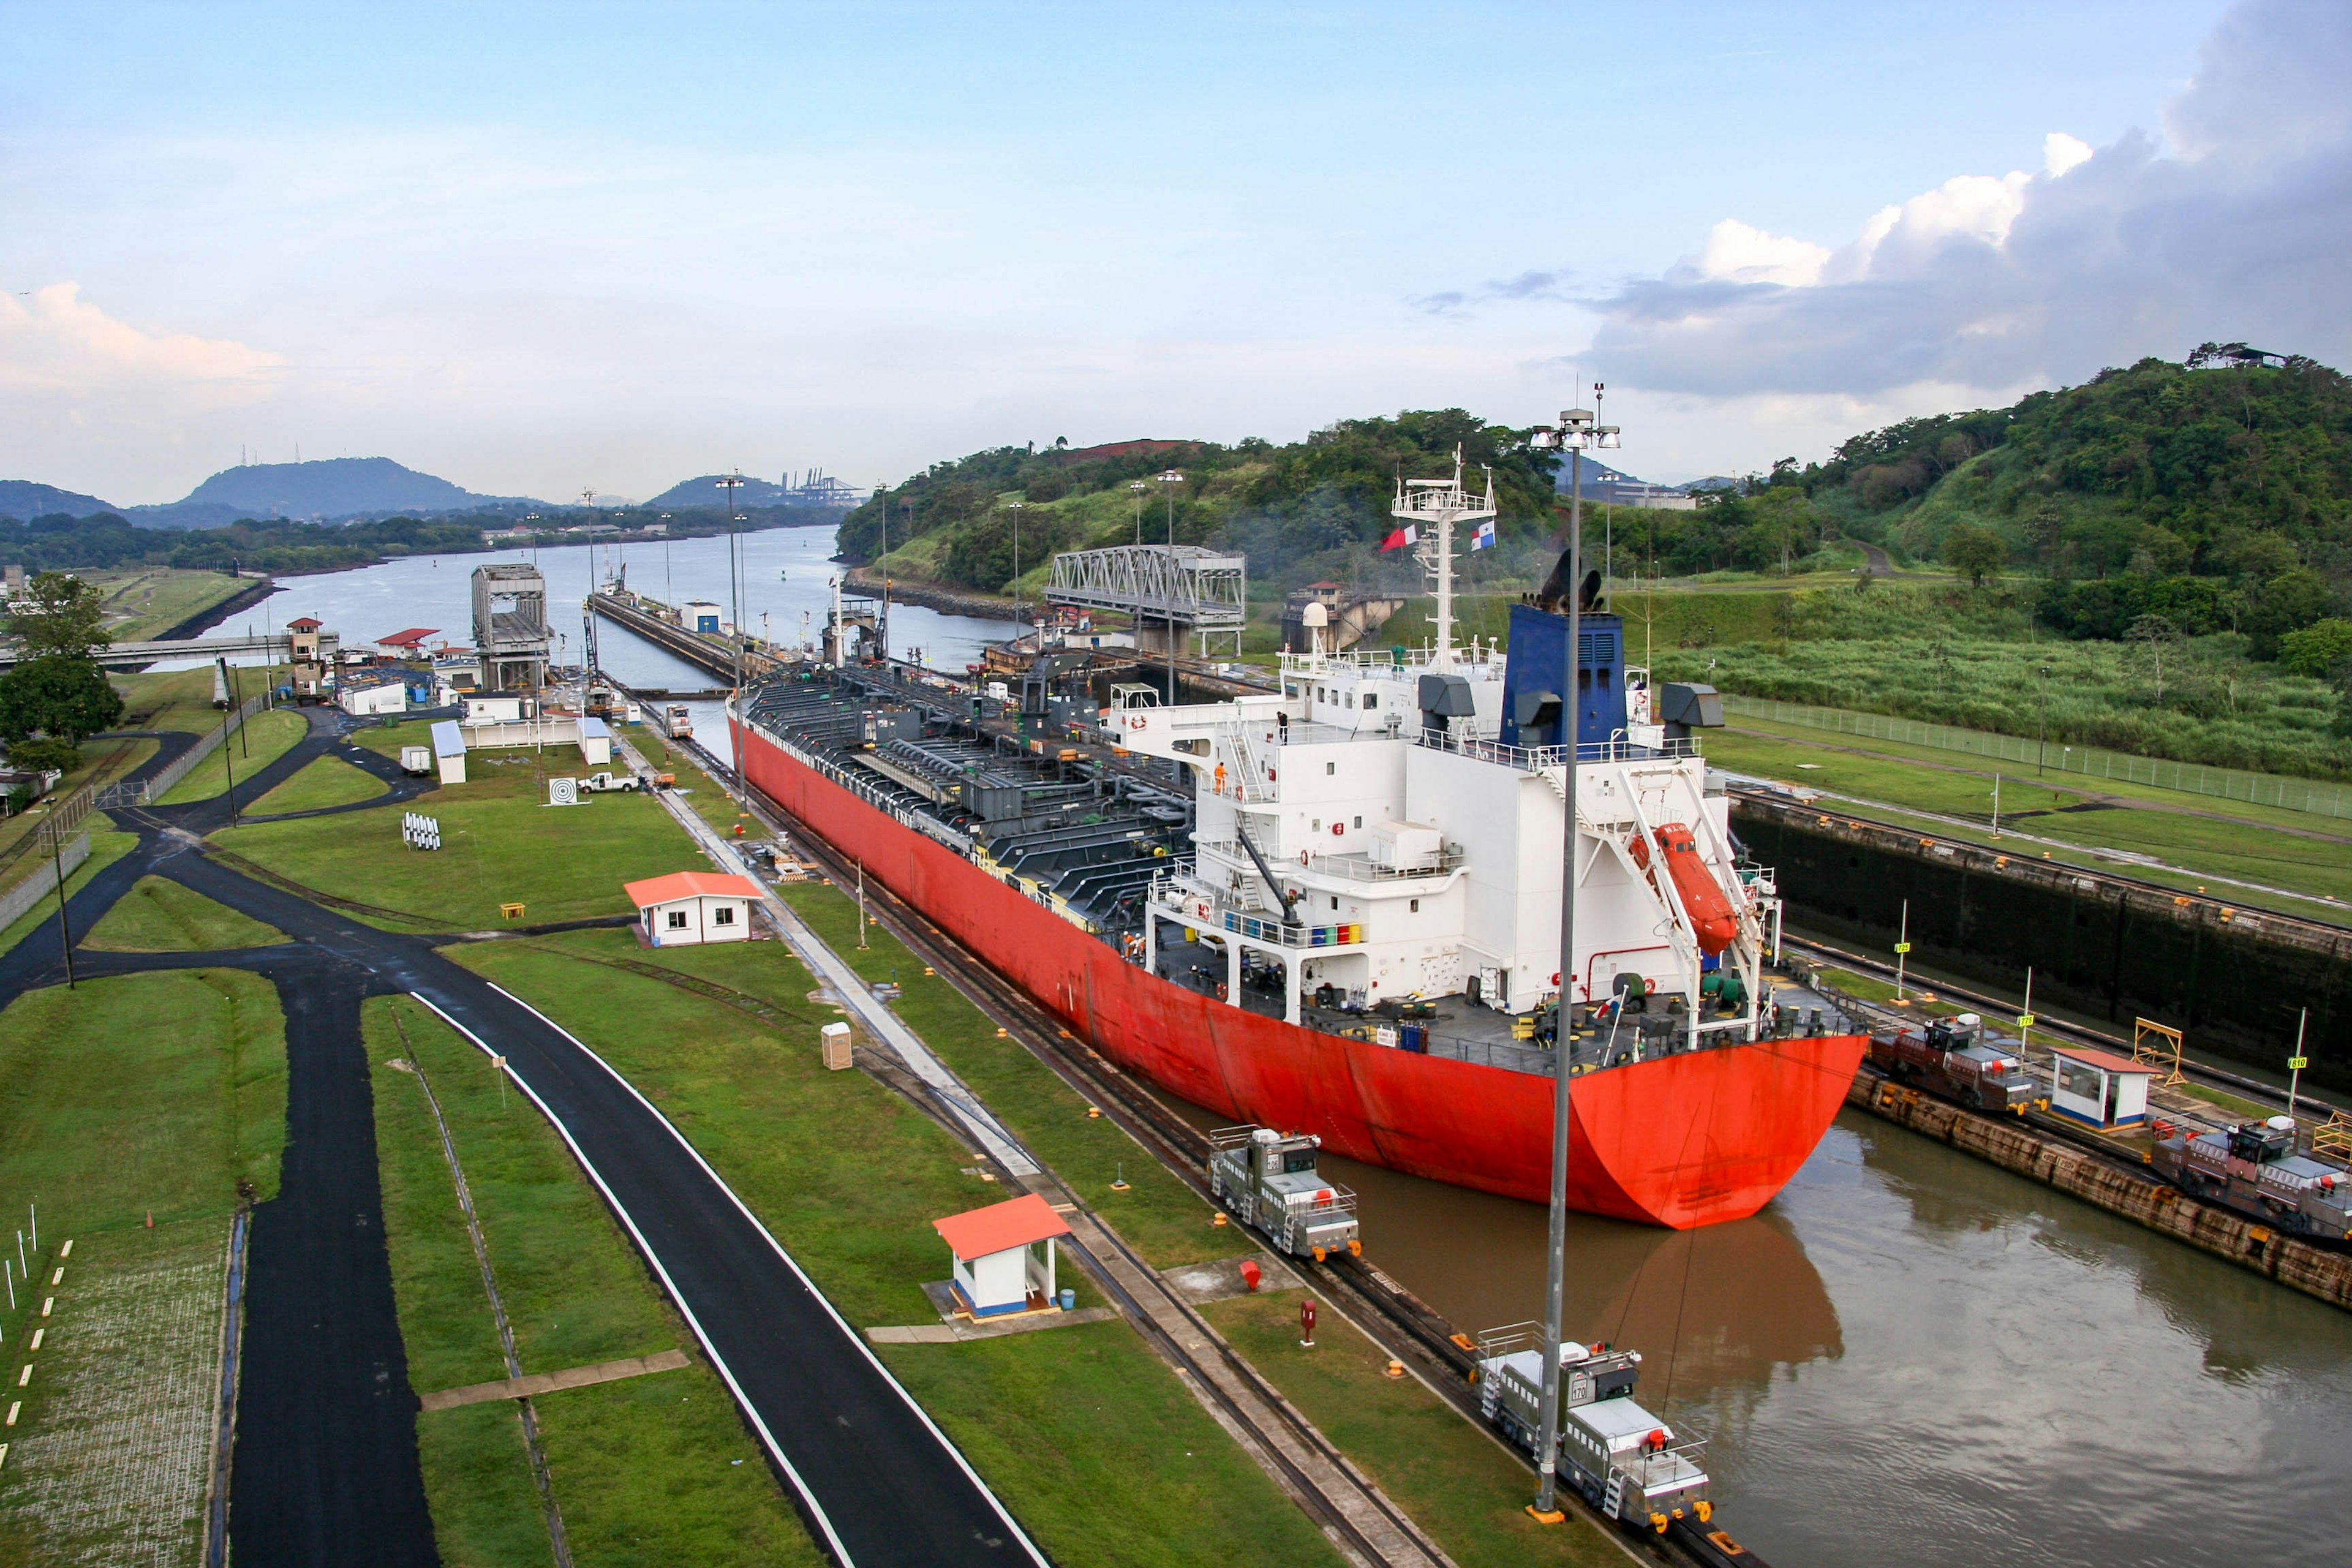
(1577, 431)
(730, 484)
(1168, 480)
(1016, 507)
(1138, 490)
(882, 500)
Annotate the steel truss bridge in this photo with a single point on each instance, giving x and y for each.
(137, 655)
(1177, 585)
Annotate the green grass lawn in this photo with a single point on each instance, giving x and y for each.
(500, 845)
(329, 780)
(1158, 1214)
(183, 699)
(129, 1096)
(849, 1178)
(158, 915)
(268, 737)
(148, 601)
(1456, 1481)
(2217, 837)
(645, 1472)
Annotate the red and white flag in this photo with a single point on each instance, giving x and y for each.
(1404, 538)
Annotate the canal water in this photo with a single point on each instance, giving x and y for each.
(1910, 1356)
(785, 573)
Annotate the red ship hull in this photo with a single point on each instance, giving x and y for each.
(1681, 1141)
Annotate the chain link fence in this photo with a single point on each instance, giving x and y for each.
(2311, 795)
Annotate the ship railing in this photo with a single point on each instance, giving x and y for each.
(1535, 759)
(1354, 867)
(1507, 1339)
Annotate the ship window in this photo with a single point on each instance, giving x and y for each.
(1371, 700)
(1316, 825)
(1417, 906)
(1334, 901)
(1359, 822)
(1291, 692)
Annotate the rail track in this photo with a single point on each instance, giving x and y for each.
(1387, 1313)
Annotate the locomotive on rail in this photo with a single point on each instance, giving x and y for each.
(2257, 1169)
(1268, 1179)
(1958, 1059)
(1626, 1462)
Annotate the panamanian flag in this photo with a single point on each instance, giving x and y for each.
(1404, 538)
(1483, 535)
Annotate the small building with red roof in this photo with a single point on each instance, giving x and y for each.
(2099, 1088)
(1004, 1255)
(687, 908)
(405, 644)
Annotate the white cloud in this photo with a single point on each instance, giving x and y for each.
(2102, 257)
(61, 346)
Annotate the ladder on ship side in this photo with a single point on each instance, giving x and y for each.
(1250, 778)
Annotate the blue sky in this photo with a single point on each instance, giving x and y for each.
(534, 248)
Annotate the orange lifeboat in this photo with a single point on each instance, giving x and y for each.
(1712, 920)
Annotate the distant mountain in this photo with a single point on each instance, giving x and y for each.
(704, 491)
(24, 501)
(1605, 485)
(330, 488)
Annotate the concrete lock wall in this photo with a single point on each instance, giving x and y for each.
(2234, 979)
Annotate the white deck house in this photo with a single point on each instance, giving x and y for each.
(2099, 1086)
(686, 907)
(365, 698)
(1004, 1255)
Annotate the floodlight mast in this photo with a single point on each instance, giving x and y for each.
(1168, 480)
(730, 483)
(1579, 430)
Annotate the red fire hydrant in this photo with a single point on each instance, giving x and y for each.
(1251, 1275)
(1307, 1323)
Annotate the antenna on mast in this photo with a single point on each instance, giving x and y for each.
(1431, 508)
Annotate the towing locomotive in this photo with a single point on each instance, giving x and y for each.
(1626, 1462)
(1958, 1059)
(2256, 1169)
(1268, 1179)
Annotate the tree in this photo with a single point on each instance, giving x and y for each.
(1978, 552)
(58, 699)
(2317, 649)
(2156, 633)
(60, 614)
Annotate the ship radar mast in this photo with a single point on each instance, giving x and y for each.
(1431, 508)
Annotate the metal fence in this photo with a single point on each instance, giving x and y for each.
(146, 792)
(2189, 778)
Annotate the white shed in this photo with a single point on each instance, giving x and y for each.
(2099, 1086)
(499, 708)
(1004, 1255)
(450, 751)
(374, 698)
(689, 907)
(700, 615)
(595, 742)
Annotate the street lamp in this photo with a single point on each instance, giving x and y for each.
(1168, 480)
(1138, 490)
(1579, 431)
(1016, 507)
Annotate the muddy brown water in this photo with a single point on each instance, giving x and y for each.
(1912, 1356)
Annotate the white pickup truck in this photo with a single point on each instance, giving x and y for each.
(601, 783)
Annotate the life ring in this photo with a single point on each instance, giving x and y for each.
(1221, 990)
(1302, 856)
(1337, 829)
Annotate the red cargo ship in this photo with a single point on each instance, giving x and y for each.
(1334, 907)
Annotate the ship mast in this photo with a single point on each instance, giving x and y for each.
(1431, 508)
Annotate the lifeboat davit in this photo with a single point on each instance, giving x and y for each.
(1712, 921)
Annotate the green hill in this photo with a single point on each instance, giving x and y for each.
(1316, 508)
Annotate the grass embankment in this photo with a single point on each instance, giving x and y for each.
(2192, 834)
(500, 845)
(132, 1095)
(1091, 1441)
(146, 602)
(267, 737)
(649, 1469)
(1455, 1479)
(330, 781)
(158, 915)
(1159, 1216)
(183, 699)
(710, 802)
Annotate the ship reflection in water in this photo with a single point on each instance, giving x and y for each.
(1914, 1356)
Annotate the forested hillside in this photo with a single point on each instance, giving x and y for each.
(1311, 509)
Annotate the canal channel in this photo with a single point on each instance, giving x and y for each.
(1910, 1356)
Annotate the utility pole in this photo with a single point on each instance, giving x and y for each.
(730, 484)
(1576, 431)
(1016, 507)
(2294, 1066)
(2041, 725)
(57, 860)
(1137, 488)
(1902, 948)
(882, 497)
(228, 768)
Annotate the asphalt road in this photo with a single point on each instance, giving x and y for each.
(325, 1467)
